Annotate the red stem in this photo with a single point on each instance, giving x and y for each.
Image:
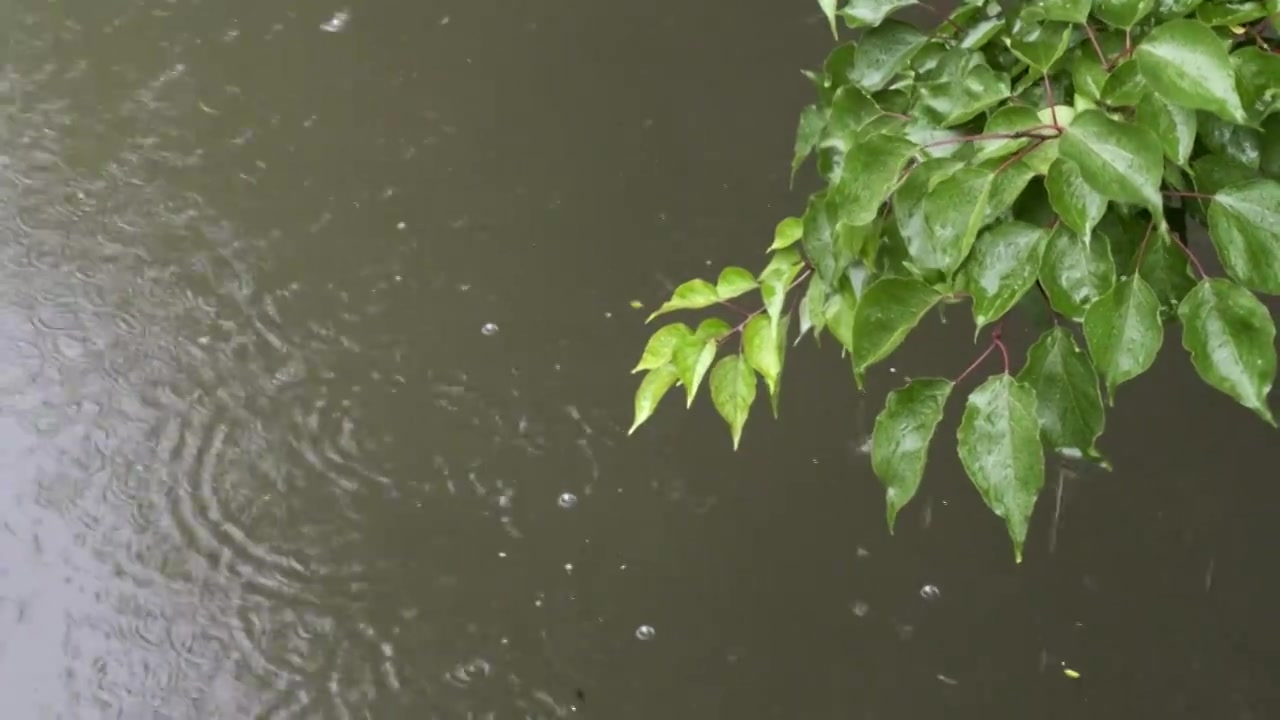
(1142, 249)
(1020, 154)
(1015, 135)
(1096, 47)
(1190, 255)
(1179, 193)
(1053, 109)
(976, 363)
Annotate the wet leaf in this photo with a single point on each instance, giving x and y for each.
(1123, 14)
(887, 311)
(1256, 73)
(1079, 205)
(655, 384)
(839, 314)
(1072, 11)
(1231, 338)
(1230, 13)
(851, 110)
(882, 52)
(1039, 44)
(787, 233)
(760, 347)
(813, 308)
(1124, 332)
(1121, 161)
(1238, 142)
(1069, 403)
(661, 345)
(900, 441)
(1087, 74)
(1075, 272)
(712, 329)
(775, 389)
(1008, 119)
(776, 280)
(1000, 448)
(1175, 125)
(870, 170)
(829, 9)
(1185, 63)
(813, 120)
(953, 213)
(689, 296)
(692, 358)
(1001, 268)
(820, 237)
(955, 100)
(1167, 270)
(1006, 188)
(734, 281)
(733, 389)
(863, 13)
(1244, 223)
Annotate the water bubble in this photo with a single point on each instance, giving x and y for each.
(645, 632)
(567, 500)
(930, 592)
(489, 329)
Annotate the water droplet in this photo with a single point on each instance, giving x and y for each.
(401, 226)
(568, 568)
(337, 23)
(489, 329)
(567, 500)
(645, 632)
(930, 592)
(860, 608)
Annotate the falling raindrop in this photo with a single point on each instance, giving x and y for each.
(645, 632)
(930, 592)
(489, 329)
(567, 500)
(337, 23)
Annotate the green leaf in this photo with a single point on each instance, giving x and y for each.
(839, 313)
(655, 384)
(887, 311)
(829, 9)
(1121, 161)
(1244, 223)
(819, 237)
(1166, 269)
(1126, 85)
(1175, 8)
(1269, 157)
(1039, 44)
(1230, 13)
(813, 308)
(1071, 11)
(1008, 119)
(712, 329)
(1066, 385)
(1124, 332)
(955, 100)
(1238, 142)
(1123, 14)
(1006, 188)
(863, 13)
(733, 389)
(1087, 74)
(870, 170)
(1256, 78)
(1001, 268)
(953, 213)
(900, 441)
(1186, 64)
(692, 358)
(813, 120)
(1231, 338)
(661, 345)
(1075, 272)
(1175, 125)
(776, 280)
(1000, 448)
(1078, 204)
(882, 52)
(775, 390)
(851, 110)
(692, 295)
(760, 347)
(787, 233)
(734, 281)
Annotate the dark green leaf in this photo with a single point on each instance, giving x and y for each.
(1231, 338)
(1125, 86)
(1001, 268)
(1087, 74)
(1122, 13)
(851, 110)
(655, 384)
(787, 233)
(863, 13)
(819, 237)
(689, 296)
(1000, 448)
(1071, 11)
(1258, 80)
(981, 33)
(1039, 44)
(888, 310)
(1166, 269)
(813, 120)
(1006, 188)
(1214, 173)
(1175, 125)
(1244, 222)
(900, 441)
(955, 100)
(1186, 63)
(1269, 158)
(1078, 204)
(1230, 13)
(1124, 332)
(1008, 119)
(1121, 161)
(1238, 142)
(882, 52)
(692, 358)
(760, 346)
(1075, 272)
(733, 389)
(734, 281)
(870, 171)
(953, 213)
(1066, 385)
(661, 345)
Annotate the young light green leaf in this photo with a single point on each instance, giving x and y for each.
(813, 120)
(814, 312)
(655, 384)
(1121, 161)
(870, 170)
(900, 440)
(1078, 204)
(1001, 450)
(733, 389)
(1231, 12)
(1186, 64)
(820, 236)
(692, 358)
(1071, 11)
(712, 329)
(1123, 14)
(1124, 332)
(787, 233)
(882, 52)
(1244, 223)
(1075, 272)
(689, 296)
(829, 9)
(839, 313)
(1069, 404)
(661, 345)
(1008, 119)
(1231, 338)
(953, 213)
(887, 311)
(760, 347)
(1001, 268)
(1175, 125)
(734, 281)
(776, 280)
(1039, 44)
(955, 100)
(864, 13)
(775, 390)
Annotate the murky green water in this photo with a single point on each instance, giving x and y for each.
(262, 458)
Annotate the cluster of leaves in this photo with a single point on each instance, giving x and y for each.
(1046, 151)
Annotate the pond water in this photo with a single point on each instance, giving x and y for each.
(315, 323)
